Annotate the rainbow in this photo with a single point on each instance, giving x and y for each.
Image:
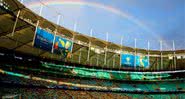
(111, 9)
(92, 4)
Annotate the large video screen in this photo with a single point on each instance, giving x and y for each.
(43, 40)
(134, 61)
(63, 46)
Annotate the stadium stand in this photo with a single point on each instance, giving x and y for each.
(27, 71)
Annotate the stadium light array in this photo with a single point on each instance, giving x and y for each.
(183, 57)
(2, 54)
(4, 4)
(170, 57)
(178, 57)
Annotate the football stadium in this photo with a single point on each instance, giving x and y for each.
(42, 59)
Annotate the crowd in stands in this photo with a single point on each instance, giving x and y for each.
(28, 93)
(94, 84)
(24, 70)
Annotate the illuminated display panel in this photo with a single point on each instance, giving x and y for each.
(43, 40)
(62, 46)
(134, 61)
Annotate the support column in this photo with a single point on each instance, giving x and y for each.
(56, 30)
(74, 29)
(89, 49)
(15, 24)
(79, 59)
(148, 53)
(40, 13)
(174, 56)
(135, 48)
(121, 51)
(105, 58)
(114, 60)
(161, 55)
(97, 60)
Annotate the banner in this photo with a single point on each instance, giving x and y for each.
(43, 40)
(132, 60)
(91, 74)
(142, 61)
(62, 46)
(127, 60)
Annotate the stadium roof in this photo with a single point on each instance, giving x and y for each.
(20, 37)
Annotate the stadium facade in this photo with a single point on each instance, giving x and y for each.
(37, 53)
